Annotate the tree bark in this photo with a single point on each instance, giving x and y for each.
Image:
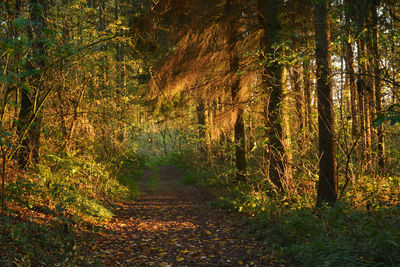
(299, 99)
(120, 52)
(349, 60)
(102, 27)
(239, 129)
(273, 91)
(377, 85)
(29, 152)
(327, 185)
(307, 93)
(365, 84)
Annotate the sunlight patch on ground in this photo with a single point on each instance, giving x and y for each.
(152, 225)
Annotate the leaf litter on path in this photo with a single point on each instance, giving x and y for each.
(174, 226)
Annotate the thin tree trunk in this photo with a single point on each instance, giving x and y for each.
(12, 13)
(120, 52)
(327, 185)
(298, 95)
(365, 85)
(349, 60)
(101, 28)
(74, 120)
(287, 141)
(201, 119)
(201, 126)
(307, 93)
(361, 101)
(378, 88)
(209, 134)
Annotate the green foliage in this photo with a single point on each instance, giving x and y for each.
(131, 170)
(38, 244)
(30, 244)
(153, 183)
(190, 174)
(178, 159)
(336, 236)
(71, 186)
(392, 115)
(71, 191)
(192, 178)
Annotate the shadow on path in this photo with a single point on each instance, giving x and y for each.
(172, 225)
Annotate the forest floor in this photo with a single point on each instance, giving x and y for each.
(172, 225)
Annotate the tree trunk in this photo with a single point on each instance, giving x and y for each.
(377, 85)
(209, 131)
(201, 120)
(327, 185)
(298, 95)
(349, 59)
(29, 152)
(239, 129)
(273, 91)
(11, 33)
(102, 27)
(120, 53)
(307, 93)
(365, 84)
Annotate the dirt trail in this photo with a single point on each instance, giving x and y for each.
(171, 225)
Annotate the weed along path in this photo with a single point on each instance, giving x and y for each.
(172, 225)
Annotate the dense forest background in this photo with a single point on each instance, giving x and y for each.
(290, 106)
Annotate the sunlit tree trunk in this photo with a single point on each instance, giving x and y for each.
(239, 128)
(120, 52)
(327, 184)
(377, 84)
(272, 83)
(287, 138)
(307, 84)
(349, 60)
(298, 97)
(365, 84)
(101, 27)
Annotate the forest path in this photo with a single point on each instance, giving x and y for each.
(172, 225)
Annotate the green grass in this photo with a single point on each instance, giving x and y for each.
(153, 183)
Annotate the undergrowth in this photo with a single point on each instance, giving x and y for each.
(50, 204)
(360, 230)
(348, 234)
